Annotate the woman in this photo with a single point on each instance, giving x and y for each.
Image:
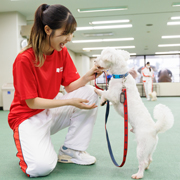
(148, 74)
(37, 110)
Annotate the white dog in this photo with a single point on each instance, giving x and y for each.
(153, 96)
(143, 126)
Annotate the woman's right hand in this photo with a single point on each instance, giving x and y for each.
(81, 103)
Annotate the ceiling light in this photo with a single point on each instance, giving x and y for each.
(109, 22)
(174, 23)
(168, 52)
(100, 48)
(103, 40)
(175, 4)
(168, 37)
(176, 17)
(168, 45)
(102, 9)
(103, 27)
(98, 34)
(97, 55)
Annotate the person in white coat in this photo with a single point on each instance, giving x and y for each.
(148, 74)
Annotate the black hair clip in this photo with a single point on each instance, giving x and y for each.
(46, 6)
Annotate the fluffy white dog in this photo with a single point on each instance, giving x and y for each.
(153, 96)
(143, 126)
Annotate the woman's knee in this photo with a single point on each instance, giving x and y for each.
(41, 167)
(90, 93)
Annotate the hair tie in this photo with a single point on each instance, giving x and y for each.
(46, 6)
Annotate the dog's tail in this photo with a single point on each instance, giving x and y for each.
(164, 116)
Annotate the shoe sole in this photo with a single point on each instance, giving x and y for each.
(69, 159)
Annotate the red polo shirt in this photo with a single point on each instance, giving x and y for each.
(31, 82)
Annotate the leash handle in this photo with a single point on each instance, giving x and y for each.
(125, 132)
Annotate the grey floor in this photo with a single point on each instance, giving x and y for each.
(166, 159)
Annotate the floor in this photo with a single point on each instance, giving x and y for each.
(166, 158)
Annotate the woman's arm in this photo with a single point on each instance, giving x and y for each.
(90, 75)
(41, 103)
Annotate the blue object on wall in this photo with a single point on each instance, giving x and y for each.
(8, 92)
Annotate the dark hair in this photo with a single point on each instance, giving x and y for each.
(148, 63)
(56, 17)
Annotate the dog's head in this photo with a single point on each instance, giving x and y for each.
(112, 59)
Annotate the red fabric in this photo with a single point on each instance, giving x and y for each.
(19, 154)
(31, 82)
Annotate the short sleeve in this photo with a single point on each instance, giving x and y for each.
(70, 73)
(24, 78)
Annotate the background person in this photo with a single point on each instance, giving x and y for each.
(148, 74)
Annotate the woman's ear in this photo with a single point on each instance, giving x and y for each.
(47, 30)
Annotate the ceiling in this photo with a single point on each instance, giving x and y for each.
(140, 13)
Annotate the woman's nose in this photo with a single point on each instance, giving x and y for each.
(69, 37)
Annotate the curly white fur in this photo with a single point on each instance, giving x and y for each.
(143, 126)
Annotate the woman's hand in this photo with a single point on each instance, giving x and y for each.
(90, 75)
(80, 103)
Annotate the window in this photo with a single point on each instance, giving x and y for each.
(136, 63)
(166, 67)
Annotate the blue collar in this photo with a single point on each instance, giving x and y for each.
(119, 76)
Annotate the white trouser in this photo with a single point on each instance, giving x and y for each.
(147, 87)
(34, 133)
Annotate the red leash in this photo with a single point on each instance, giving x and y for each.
(123, 99)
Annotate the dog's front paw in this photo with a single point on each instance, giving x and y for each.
(98, 92)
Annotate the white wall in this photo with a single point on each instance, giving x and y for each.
(82, 64)
(169, 89)
(9, 45)
(73, 55)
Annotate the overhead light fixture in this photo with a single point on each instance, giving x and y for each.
(169, 37)
(97, 55)
(168, 45)
(175, 4)
(168, 52)
(100, 48)
(175, 18)
(173, 23)
(98, 34)
(110, 22)
(102, 9)
(103, 40)
(104, 27)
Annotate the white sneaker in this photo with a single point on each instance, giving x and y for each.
(73, 156)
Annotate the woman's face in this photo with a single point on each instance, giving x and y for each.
(59, 39)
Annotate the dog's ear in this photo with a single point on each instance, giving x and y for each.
(109, 54)
(125, 54)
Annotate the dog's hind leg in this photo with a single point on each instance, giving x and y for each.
(143, 157)
(151, 153)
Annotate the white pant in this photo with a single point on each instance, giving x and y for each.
(36, 153)
(148, 87)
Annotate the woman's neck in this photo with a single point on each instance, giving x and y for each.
(47, 49)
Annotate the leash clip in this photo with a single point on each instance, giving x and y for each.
(122, 97)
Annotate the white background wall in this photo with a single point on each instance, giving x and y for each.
(9, 45)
